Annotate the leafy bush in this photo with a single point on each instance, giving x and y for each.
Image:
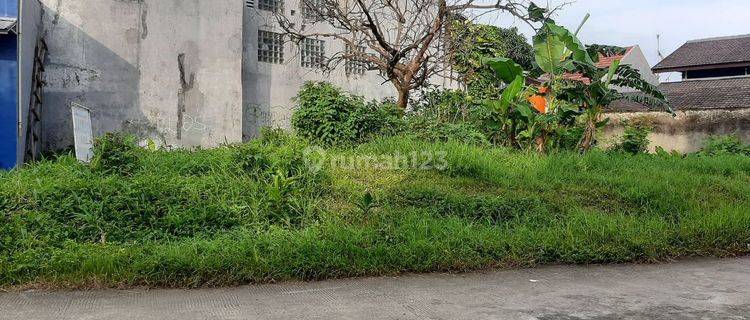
(116, 153)
(328, 116)
(635, 138)
(727, 144)
(442, 105)
(431, 131)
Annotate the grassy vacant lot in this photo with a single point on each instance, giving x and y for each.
(256, 213)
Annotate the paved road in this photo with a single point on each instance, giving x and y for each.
(697, 289)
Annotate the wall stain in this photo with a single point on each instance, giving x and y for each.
(185, 86)
(144, 25)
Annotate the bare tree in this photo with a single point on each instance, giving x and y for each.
(405, 40)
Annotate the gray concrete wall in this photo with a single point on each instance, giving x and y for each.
(685, 133)
(168, 70)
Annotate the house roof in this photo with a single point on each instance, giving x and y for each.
(713, 52)
(606, 61)
(727, 93)
(603, 63)
(7, 25)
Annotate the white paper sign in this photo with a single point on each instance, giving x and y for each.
(82, 133)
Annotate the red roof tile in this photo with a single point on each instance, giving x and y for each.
(604, 63)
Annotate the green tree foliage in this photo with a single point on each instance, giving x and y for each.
(541, 114)
(476, 42)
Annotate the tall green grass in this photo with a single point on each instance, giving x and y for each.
(256, 213)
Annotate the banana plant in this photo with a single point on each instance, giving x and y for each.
(602, 91)
(509, 114)
(557, 103)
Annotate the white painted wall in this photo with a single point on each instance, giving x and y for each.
(636, 59)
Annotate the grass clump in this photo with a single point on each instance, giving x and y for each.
(727, 144)
(116, 153)
(258, 212)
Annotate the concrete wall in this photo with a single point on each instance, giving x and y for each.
(685, 133)
(169, 70)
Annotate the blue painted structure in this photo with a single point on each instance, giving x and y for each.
(9, 138)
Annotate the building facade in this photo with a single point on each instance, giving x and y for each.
(713, 97)
(183, 72)
(274, 68)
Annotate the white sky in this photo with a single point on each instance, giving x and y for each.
(625, 23)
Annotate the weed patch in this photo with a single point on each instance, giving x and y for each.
(257, 213)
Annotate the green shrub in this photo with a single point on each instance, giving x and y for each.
(433, 131)
(116, 153)
(442, 105)
(328, 116)
(635, 138)
(727, 144)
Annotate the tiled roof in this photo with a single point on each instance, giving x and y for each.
(714, 51)
(603, 63)
(606, 61)
(728, 93)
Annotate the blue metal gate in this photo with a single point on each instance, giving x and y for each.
(8, 86)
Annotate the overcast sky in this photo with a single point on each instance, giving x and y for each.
(625, 23)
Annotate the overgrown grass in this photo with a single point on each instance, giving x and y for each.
(256, 213)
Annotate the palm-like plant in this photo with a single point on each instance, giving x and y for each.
(558, 52)
(602, 91)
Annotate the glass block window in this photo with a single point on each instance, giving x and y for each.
(355, 61)
(276, 6)
(270, 47)
(313, 52)
(311, 8)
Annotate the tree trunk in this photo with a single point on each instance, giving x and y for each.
(541, 142)
(403, 98)
(588, 135)
(511, 133)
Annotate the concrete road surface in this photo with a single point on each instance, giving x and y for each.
(696, 289)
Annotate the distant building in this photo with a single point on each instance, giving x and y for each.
(633, 57)
(183, 72)
(713, 97)
(710, 58)
(274, 69)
